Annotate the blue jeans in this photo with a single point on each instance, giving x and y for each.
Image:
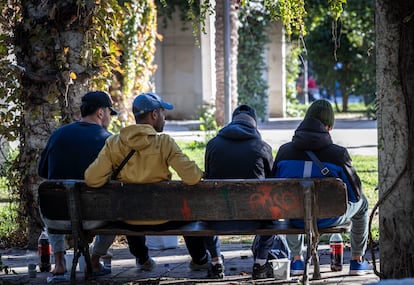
(102, 244)
(357, 213)
(264, 246)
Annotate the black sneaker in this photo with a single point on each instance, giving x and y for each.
(262, 272)
(216, 271)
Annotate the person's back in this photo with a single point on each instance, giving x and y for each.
(71, 149)
(292, 161)
(238, 152)
(152, 155)
(68, 152)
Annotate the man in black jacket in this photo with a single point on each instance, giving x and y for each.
(292, 161)
(238, 151)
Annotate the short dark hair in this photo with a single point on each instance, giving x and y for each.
(94, 100)
(141, 117)
(87, 109)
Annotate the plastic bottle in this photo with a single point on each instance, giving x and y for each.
(44, 252)
(336, 245)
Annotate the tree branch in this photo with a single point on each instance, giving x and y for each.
(34, 76)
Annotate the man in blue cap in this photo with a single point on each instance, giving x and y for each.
(149, 153)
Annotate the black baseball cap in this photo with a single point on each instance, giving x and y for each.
(99, 99)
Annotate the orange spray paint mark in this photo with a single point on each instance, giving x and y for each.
(186, 210)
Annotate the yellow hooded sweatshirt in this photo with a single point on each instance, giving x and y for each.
(154, 153)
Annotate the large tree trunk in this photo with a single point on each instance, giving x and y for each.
(395, 89)
(48, 42)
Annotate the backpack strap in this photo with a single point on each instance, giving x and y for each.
(116, 172)
(324, 170)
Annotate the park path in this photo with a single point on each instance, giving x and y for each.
(173, 268)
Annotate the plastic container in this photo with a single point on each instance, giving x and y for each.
(31, 261)
(44, 251)
(281, 268)
(336, 245)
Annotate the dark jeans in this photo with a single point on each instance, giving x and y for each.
(138, 248)
(264, 246)
(198, 246)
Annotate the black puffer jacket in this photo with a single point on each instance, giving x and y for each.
(238, 151)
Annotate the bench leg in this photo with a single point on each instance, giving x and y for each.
(307, 259)
(315, 257)
(81, 247)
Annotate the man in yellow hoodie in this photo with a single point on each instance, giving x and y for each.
(152, 153)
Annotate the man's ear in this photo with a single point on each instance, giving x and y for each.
(154, 114)
(100, 113)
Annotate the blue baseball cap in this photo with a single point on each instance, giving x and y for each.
(147, 102)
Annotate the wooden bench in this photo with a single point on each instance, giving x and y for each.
(211, 207)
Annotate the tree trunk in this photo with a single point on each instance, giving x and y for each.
(220, 78)
(234, 47)
(395, 91)
(48, 44)
(220, 83)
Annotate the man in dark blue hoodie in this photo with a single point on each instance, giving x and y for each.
(238, 152)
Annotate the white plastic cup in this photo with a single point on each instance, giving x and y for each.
(31, 268)
(32, 259)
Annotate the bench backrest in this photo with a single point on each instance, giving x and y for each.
(229, 199)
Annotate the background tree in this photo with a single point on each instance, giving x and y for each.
(252, 87)
(220, 56)
(342, 51)
(133, 66)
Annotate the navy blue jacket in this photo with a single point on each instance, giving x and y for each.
(293, 162)
(238, 152)
(70, 149)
